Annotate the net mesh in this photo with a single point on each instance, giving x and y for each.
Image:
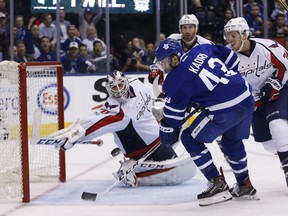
(41, 95)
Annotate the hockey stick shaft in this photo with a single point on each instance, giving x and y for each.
(56, 142)
(97, 196)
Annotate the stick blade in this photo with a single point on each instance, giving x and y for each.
(89, 196)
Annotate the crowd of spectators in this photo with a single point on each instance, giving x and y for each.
(82, 50)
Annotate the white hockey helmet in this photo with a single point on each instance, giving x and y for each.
(236, 24)
(188, 19)
(117, 86)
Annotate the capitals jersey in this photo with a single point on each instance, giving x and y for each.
(132, 123)
(201, 77)
(266, 59)
(199, 40)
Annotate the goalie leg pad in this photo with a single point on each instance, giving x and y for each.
(169, 172)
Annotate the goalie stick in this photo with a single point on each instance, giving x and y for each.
(88, 196)
(156, 89)
(35, 136)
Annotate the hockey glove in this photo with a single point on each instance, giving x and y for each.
(271, 90)
(168, 135)
(154, 72)
(70, 134)
(127, 168)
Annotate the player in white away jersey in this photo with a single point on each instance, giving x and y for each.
(187, 38)
(127, 113)
(264, 64)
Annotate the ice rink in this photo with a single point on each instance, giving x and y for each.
(89, 168)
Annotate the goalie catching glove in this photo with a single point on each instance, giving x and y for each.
(270, 91)
(70, 134)
(168, 135)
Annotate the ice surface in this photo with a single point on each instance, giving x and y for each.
(89, 168)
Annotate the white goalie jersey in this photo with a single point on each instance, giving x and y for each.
(266, 59)
(133, 119)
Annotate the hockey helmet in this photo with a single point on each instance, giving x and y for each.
(188, 19)
(167, 48)
(117, 86)
(236, 24)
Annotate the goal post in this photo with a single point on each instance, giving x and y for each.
(26, 88)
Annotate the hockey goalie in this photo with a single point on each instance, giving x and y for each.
(127, 114)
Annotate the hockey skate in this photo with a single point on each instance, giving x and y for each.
(245, 191)
(285, 168)
(218, 191)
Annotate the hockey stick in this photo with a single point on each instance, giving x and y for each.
(87, 196)
(156, 89)
(35, 136)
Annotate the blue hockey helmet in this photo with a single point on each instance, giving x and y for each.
(167, 48)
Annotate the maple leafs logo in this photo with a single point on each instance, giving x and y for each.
(166, 46)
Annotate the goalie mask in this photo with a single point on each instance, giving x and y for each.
(166, 49)
(117, 86)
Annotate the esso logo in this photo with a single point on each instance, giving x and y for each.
(47, 99)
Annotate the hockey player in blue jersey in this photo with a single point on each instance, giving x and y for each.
(199, 77)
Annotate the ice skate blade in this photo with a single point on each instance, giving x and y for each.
(218, 198)
(247, 197)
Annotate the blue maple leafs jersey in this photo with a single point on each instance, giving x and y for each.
(207, 75)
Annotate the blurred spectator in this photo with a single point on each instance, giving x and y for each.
(47, 54)
(35, 32)
(4, 36)
(21, 29)
(15, 53)
(48, 29)
(99, 59)
(223, 6)
(63, 25)
(86, 18)
(208, 36)
(25, 34)
(248, 7)
(3, 8)
(221, 22)
(83, 51)
(73, 63)
(137, 56)
(150, 47)
(72, 37)
(162, 37)
(91, 37)
(280, 10)
(22, 55)
(255, 21)
(205, 13)
(278, 27)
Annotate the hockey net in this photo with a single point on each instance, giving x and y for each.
(30, 93)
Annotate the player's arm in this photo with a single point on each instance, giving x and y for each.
(103, 120)
(226, 55)
(273, 85)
